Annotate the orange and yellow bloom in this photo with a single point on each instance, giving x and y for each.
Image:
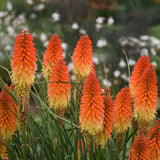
(7, 114)
(146, 98)
(154, 140)
(82, 58)
(108, 118)
(139, 68)
(3, 150)
(51, 55)
(92, 106)
(123, 111)
(59, 87)
(140, 149)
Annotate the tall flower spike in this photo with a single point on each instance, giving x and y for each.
(3, 150)
(7, 114)
(108, 118)
(154, 140)
(82, 58)
(51, 55)
(140, 149)
(23, 65)
(92, 106)
(146, 98)
(123, 111)
(139, 68)
(59, 87)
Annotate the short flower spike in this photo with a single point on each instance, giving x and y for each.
(123, 111)
(108, 118)
(7, 114)
(51, 55)
(23, 62)
(92, 106)
(3, 150)
(82, 58)
(146, 98)
(154, 140)
(140, 149)
(59, 87)
(139, 68)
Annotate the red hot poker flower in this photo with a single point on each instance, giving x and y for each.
(139, 68)
(123, 110)
(154, 142)
(82, 57)
(7, 114)
(108, 118)
(140, 149)
(51, 55)
(23, 62)
(59, 87)
(146, 97)
(92, 106)
(3, 150)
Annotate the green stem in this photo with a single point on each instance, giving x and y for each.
(24, 140)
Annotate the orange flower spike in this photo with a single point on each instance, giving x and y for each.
(108, 118)
(82, 57)
(92, 106)
(146, 98)
(139, 68)
(140, 149)
(7, 114)
(23, 62)
(3, 150)
(154, 142)
(51, 55)
(59, 86)
(123, 110)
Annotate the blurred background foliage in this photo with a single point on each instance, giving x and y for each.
(113, 26)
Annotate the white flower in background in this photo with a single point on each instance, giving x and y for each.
(43, 0)
(64, 46)
(106, 83)
(110, 21)
(95, 60)
(143, 44)
(144, 51)
(33, 16)
(98, 26)
(154, 63)
(131, 62)
(39, 7)
(154, 41)
(116, 73)
(3, 14)
(123, 41)
(43, 37)
(45, 43)
(144, 37)
(99, 20)
(64, 54)
(8, 48)
(30, 2)
(125, 77)
(9, 5)
(82, 31)
(34, 34)
(102, 90)
(56, 17)
(73, 77)
(106, 70)
(75, 26)
(38, 75)
(101, 43)
(10, 30)
(70, 66)
(122, 63)
(153, 52)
